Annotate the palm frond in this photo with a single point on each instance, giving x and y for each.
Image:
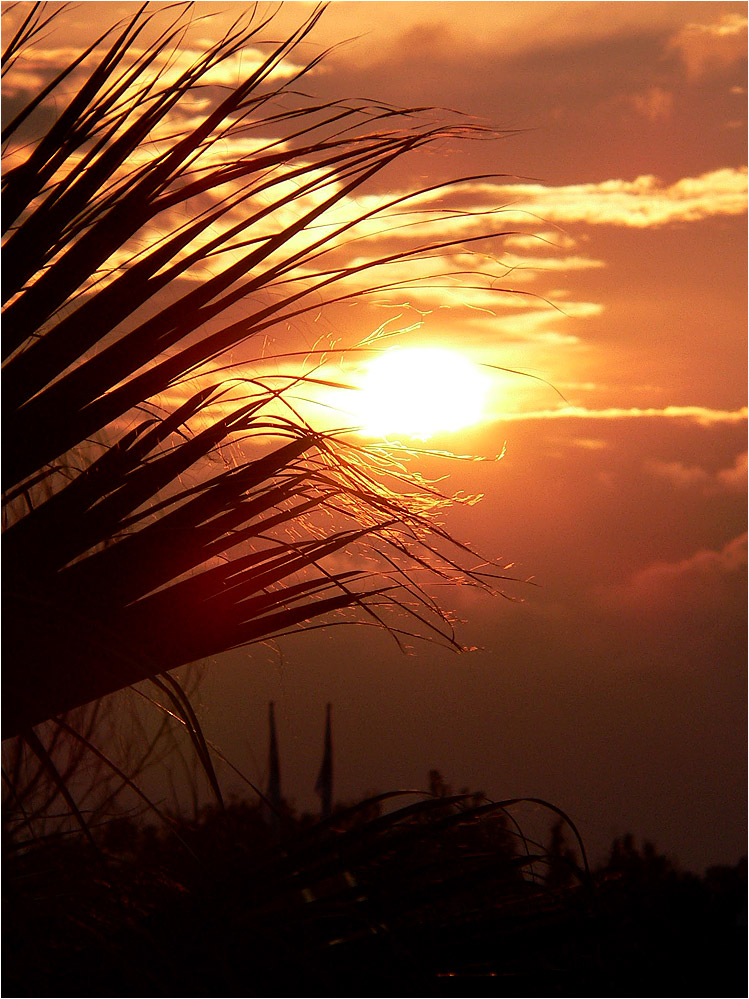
(132, 239)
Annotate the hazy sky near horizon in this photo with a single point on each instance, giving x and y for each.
(617, 687)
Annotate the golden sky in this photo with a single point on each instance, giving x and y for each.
(617, 689)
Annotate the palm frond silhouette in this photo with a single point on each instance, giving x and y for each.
(159, 509)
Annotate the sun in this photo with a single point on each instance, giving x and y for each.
(420, 392)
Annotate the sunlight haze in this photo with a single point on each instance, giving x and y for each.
(420, 392)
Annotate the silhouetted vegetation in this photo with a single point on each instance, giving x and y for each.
(161, 506)
(429, 894)
(164, 496)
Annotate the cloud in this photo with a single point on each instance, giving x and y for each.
(684, 476)
(735, 476)
(495, 323)
(644, 202)
(704, 48)
(536, 241)
(702, 415)
(40, 64)
(705, 579)
(469, 27)
(526, 268)
(590, 443)
(678, 473)
(655, 104)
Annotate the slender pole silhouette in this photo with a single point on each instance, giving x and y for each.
(274, 775)
(324, 785)
(274, 766)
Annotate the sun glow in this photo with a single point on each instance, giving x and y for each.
(420, 392)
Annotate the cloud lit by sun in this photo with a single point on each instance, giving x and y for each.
(419, 392)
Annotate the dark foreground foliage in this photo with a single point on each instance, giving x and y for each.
(159, 266)
(437, 896)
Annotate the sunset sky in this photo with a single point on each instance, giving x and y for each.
(615, 685)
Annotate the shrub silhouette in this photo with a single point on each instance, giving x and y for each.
(403, 887)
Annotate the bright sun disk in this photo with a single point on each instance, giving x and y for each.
(419, 392)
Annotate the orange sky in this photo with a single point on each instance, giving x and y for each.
(617, 689)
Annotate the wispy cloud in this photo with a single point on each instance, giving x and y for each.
(527, 268)
(42, 63)
(655, 103)
(705, 47)
(700, 582)
(536, 241)
(696, 414)
(689, 476)
(640, 203)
